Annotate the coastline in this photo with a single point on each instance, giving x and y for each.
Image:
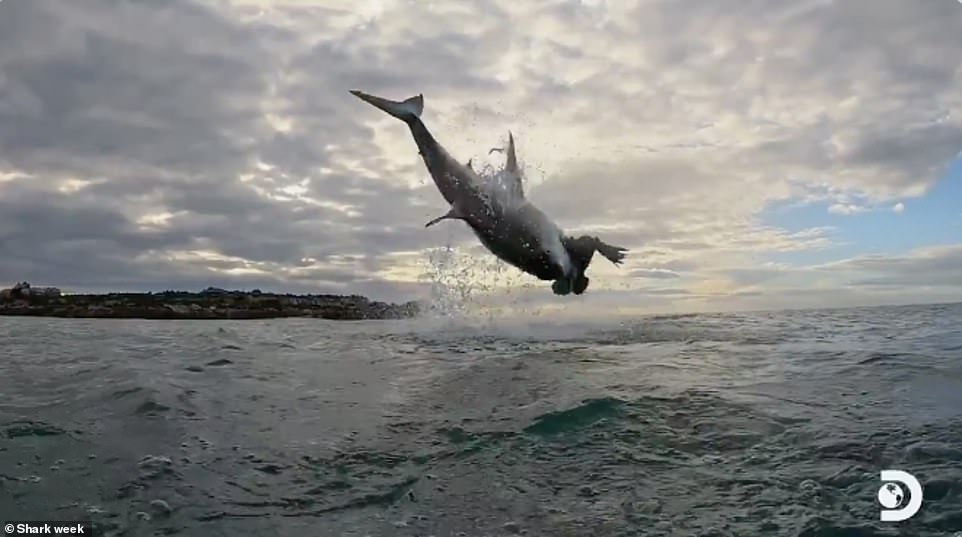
(208, 304)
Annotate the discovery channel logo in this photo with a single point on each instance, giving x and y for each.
(892, 496)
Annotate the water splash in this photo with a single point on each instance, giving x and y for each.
(466, 281)
(452, 282)
(496, 185)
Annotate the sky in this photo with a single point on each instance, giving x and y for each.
(751, 155)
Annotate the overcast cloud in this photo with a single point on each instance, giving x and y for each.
(187, 143)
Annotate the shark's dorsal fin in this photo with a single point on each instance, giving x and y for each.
(511, 167)
(468, 164)
(512, 164)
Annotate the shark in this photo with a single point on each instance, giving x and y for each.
(508, 224)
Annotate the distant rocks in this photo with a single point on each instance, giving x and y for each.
(211, 303)
(23, 291)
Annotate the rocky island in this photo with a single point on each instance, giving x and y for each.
(211, 303)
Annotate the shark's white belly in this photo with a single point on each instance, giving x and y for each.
(525, 237)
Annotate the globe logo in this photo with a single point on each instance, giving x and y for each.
(890, 495)
(897, 505)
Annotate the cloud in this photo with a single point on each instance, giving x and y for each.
(843, 209)
(937, 266)
(898, 208)
(655, 273)
(215, 143)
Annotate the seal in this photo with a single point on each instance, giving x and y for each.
(507, 224)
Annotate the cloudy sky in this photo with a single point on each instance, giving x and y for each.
(751, 154)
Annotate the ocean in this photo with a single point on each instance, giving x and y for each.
(770, 424)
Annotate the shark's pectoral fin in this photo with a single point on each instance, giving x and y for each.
(436, 220)
(453, 214)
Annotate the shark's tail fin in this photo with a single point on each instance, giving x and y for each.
(407, 110)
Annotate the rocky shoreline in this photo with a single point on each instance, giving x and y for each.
(208, 304)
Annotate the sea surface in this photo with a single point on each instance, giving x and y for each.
(715, 425)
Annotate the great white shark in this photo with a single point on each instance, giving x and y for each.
(505, 222)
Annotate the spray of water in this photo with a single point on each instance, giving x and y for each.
(496, 186)
(467, 282)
